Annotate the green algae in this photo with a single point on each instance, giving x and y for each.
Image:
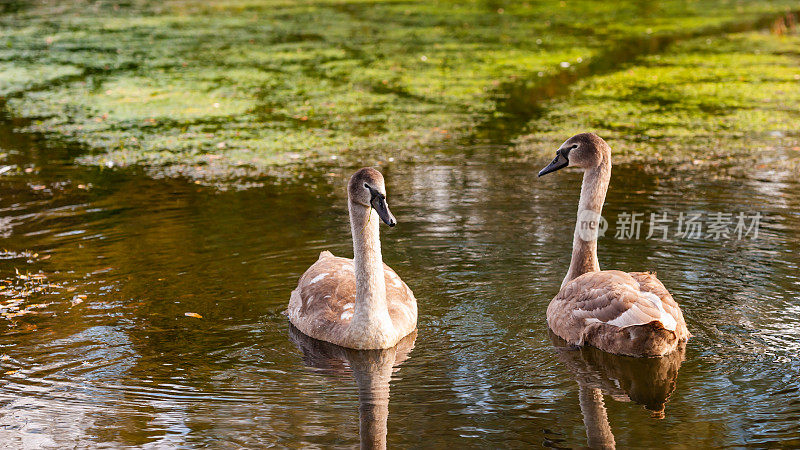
(706, 98)
(16, 78)
(252, 84)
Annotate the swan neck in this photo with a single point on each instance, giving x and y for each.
(595, 418)
(590, 208)
(370, 303)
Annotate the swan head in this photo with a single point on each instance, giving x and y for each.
(584, 150)
(366, 188)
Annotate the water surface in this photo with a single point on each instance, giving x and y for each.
(483, 243)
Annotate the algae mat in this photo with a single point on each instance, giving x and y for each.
(705, 100)
(219, 89)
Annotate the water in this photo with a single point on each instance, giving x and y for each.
(483, 243)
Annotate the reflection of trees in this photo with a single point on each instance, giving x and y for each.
(647, 381)
(372, 370)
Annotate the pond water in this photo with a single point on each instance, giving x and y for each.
(109, 355)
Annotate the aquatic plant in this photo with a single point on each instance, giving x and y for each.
(709, 97)
(206, 89)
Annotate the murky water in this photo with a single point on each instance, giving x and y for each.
(483, 243)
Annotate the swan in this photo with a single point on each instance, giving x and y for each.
(357, 303)
(618, 312)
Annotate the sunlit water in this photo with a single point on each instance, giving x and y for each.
(483, 243)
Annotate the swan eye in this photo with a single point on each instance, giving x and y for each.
(366, 185)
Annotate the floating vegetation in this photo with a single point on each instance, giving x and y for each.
(208, 89)
(705, 99)
(27, 255)
(19, 291)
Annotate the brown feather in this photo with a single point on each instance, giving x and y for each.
(585, 310)
(323, 303)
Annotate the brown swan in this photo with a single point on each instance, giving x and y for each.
(618, 312)
(357, 303)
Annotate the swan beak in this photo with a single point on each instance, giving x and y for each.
(559, 163)
(378, 203)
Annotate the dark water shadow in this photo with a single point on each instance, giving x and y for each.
(13, 6)
(646, 381)
(372, 370)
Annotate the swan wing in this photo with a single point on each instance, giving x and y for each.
(617, 298)
(325, 297)
(648, 282)
(402, 303)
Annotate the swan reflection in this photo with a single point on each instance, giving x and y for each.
(646, 381)
(372, 370)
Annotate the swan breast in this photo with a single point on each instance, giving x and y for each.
(324, 302)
